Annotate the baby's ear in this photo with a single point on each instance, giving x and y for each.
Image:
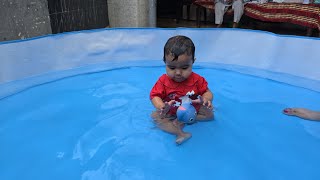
(194, 60)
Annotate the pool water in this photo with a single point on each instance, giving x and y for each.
(98, 126)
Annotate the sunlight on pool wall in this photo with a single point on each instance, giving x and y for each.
(253, 52)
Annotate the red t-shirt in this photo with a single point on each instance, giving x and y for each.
(167, 89)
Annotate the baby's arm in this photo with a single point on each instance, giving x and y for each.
(157, 102)
(162, 107)
(205, 112)
(207, 99)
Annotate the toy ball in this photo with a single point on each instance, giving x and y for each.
(186, 113)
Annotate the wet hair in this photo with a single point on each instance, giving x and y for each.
(179, 45)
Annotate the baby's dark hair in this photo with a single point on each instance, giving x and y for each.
(178, 45)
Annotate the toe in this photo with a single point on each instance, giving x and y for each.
(182, 139)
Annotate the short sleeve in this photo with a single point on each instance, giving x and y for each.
(157, 90)
(202, 85)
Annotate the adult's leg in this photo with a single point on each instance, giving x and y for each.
(238, 8)
(219, 10)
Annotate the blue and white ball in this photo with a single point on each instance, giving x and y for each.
(186, 113)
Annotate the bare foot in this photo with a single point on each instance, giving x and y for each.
(295, 112)
(302, 113)
(219, 26)
(182, 138)
(235, 25)
(289, 111)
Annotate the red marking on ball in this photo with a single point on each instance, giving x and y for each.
(182, 108)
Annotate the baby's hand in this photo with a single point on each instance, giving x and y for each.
(207, 103)
(164, 110)
(203, 101)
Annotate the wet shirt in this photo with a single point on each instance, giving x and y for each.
(168, 90)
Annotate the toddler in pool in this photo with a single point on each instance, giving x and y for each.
(179, 81)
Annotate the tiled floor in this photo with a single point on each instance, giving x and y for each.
(245, 23)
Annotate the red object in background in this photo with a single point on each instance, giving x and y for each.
(307, 15)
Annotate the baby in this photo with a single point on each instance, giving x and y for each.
(179, 81)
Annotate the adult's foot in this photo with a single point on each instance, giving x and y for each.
(219, 26)
(302, 113)
(295, 112)
(235, 25)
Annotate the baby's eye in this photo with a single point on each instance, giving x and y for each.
(172, 68)
(185, 67)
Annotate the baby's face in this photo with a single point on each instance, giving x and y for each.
(180, 69)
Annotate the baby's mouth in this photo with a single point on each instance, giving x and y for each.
(178, 78)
